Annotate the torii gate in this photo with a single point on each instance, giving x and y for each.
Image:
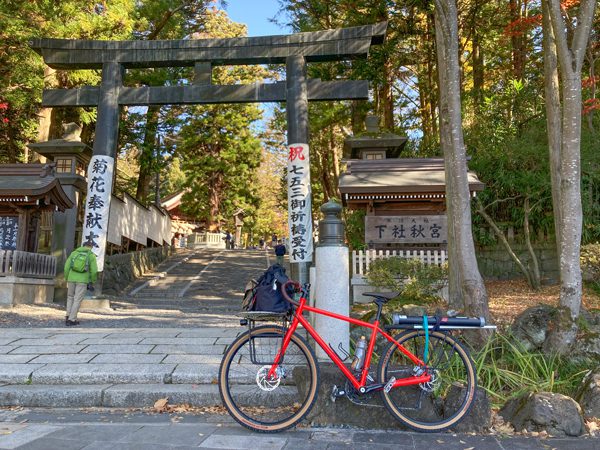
(294, 50)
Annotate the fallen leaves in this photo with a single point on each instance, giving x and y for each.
(162, 406)
(593, 426)
(499, 426)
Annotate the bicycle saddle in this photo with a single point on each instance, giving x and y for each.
(385, 296)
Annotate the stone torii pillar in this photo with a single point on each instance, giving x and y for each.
(101, 167)
(297, 119)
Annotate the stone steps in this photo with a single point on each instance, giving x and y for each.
(107, 395)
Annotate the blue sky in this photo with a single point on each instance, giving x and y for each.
(255, 14)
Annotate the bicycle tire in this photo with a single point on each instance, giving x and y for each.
(447, 401)
(267, 409)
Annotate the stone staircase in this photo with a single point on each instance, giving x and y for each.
(204, 281)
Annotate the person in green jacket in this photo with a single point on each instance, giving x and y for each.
(81, 271)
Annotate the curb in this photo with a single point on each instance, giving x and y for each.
(106, 395)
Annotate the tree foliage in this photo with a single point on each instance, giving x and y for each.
(219, 144)
(22, 74)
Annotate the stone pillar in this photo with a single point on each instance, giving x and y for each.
(297, 126)
(332, 280)
(107, 122)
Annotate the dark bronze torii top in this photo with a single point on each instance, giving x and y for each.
(315, 46)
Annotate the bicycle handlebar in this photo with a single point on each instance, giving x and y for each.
(297, 288)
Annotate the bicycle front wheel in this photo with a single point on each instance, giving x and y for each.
(252, 398)
(440, 403)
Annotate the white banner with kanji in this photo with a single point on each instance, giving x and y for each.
(97, 205)
(299, 204)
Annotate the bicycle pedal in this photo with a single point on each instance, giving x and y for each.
(389, 385)
(336, 393)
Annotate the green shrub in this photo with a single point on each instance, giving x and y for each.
(415, 280)
(505, 369)
(590, 262)
(355, 229)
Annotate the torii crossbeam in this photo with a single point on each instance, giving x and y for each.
(294, 50)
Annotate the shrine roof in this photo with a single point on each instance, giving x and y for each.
(392, 143)
(26, 184)
(172, 201)
(414, 175)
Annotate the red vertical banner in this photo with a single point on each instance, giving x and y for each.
(299, 204)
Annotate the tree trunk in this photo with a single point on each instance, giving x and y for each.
(535, 270)
(553, 111)
(387, 99)
(325, 174)
(570, 58)
(478, 71)
(148, 154)
(359, 113)
(458, 199)
(518, 40)
(335, 162)
(45, 114)
(215, 201)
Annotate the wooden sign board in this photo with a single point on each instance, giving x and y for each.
(9, 227)
(406, 229)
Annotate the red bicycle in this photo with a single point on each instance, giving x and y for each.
(269, 376)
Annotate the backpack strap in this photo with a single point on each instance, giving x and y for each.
(87, 267)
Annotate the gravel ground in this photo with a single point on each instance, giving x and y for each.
(53, 316)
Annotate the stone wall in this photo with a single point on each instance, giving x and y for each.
(18, 290)
(120, 270)
(496, 264)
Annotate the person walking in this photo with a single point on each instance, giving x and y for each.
(279, 252)
(81, 271)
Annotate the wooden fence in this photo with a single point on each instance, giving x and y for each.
(362, 259)
(26, 265)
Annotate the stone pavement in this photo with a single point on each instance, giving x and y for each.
(165, 341)
(131, 430)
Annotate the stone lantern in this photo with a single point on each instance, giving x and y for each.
(71, 157)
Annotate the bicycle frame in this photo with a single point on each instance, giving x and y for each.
(359, 384)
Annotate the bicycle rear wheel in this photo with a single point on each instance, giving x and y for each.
(259, 403)
(440, 403)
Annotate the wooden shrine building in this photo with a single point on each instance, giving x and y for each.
(404, 198)
(26, 190)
